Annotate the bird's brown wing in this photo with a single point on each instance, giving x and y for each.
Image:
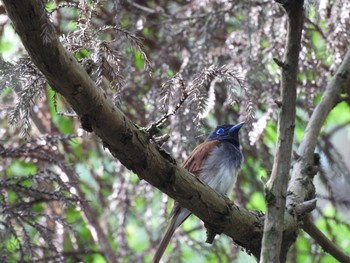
(199, 154)
(179, 214)
(193, 165)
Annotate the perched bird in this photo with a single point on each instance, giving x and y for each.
(216, 161)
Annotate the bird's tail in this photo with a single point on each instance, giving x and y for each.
(165, 241)
(180, 215)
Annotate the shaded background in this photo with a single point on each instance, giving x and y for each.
(59, 187)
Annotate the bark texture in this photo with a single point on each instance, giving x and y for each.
(276, 188)
(121, 136)
(301, 188)
(132, 148)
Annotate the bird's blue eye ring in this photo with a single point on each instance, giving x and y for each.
(220, 131)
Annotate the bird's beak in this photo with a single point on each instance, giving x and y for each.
(237, 126)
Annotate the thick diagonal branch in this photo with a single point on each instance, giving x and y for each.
(122, 137)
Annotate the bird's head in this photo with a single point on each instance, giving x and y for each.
(226, 132)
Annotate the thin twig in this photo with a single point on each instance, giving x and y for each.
(323, 241)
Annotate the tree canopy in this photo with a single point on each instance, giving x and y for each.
(101, 102)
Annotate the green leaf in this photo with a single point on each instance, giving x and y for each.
(21, 168)
(12, 243)
(257, 202)
(82, 53)
(97, 258)
(138, 60)
(63, 123)
(137, 237)
(147, 32)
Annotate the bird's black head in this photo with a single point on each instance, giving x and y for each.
(226, 132)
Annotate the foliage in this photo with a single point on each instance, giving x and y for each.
(177, 68)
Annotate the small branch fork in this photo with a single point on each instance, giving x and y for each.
(301, 191)
(303, 168)
(153, 128)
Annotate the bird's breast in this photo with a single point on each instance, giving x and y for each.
(221, 167)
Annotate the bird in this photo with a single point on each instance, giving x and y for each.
(216, 162)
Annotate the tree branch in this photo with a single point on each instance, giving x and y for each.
(276, 187)
(323, 241)
(301, 187)
(328, 101)
(301, 176)
(123, 139)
